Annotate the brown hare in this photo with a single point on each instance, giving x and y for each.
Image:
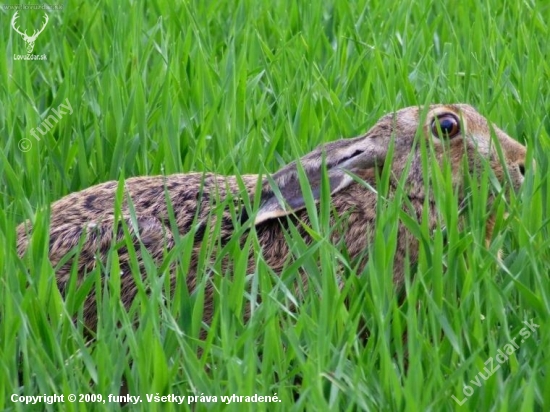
(456, 132)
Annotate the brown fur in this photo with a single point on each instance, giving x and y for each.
(193, 197)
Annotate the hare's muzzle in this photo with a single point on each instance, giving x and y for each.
(515, 157)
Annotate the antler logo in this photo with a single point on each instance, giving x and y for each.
(29, 39)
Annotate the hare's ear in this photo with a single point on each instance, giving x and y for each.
(340, 157)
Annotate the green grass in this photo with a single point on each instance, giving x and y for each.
(246, 87)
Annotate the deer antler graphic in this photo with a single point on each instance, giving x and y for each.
(29, 39)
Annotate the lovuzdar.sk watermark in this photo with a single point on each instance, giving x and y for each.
(491, 366)
(29, 39)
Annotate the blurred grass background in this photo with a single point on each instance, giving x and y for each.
(247, 86)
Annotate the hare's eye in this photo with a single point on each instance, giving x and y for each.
(446, 125)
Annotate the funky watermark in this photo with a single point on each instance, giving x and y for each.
(47, 124)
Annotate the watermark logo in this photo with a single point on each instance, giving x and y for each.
(49, 123)
(501, 357)
(29, 40)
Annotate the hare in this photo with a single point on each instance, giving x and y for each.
(456, 131)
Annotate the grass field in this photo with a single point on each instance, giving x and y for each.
(246, 87)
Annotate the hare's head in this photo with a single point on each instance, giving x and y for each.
(456, 134)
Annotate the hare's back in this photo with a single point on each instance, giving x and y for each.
(147, 196)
